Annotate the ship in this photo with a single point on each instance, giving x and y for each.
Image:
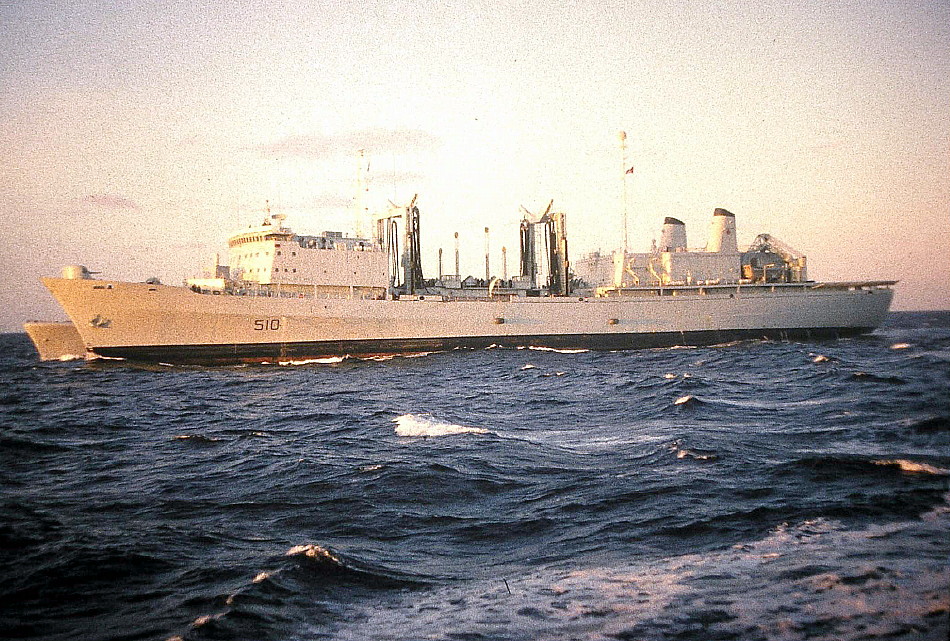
(285, 297)
(55, 341)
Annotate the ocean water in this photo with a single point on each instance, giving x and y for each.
(755, 490)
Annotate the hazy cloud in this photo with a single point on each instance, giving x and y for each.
(381, 176)
(374, 141)
(109, 201)
(331, 201)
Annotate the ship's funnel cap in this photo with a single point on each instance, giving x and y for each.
(722, 232)
(673, 235)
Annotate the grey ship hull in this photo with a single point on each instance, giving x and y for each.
(223, 354)
(155, 323)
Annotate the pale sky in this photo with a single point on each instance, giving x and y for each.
(136, 137)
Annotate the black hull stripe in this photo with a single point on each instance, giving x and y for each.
(275, 352)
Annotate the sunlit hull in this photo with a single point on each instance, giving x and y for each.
(156, 323)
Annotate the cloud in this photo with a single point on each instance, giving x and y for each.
(373, 141)
(331, 201)
(109, 201)
(399, 177)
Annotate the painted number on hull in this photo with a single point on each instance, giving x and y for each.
(268, 323)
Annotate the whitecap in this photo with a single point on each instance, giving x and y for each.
(558, 350)
(683, 400)
(913, 466)
(699, 455)
(312, 551)
(820, 358)
(202, 620)
(901, 345)
(262, 576)
(70, 357)
(528, 366)
(669, 376)
(412, 425)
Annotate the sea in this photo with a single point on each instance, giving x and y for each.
(751, 490)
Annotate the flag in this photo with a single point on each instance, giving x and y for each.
(629, 171)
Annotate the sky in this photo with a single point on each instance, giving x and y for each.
(137, 136)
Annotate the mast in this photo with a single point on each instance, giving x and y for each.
(623, 175)
(362, 188)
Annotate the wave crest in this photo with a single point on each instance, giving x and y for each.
(413, 425)
(913, 466)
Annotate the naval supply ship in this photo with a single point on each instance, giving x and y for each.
(285, 297)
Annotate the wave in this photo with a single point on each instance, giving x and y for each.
(323, 562)
(198, 439)
(874, 378)
(688, 401)
(843, 465)
(694, 453)
(558, 350)
(930, 424)
(423, 425)
(913, 467)
(901, 346)
(802, 577)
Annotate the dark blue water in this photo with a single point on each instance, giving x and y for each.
(757, 490)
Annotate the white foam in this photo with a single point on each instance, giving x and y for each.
(70, 357)
(262, 576)
(204, 619)
(413, 425)
(914, 467)
(820, 358)
(528, 366)
(558, 350)
(329, 360)
(683, 399)
(901, 346)
(312, 551)
(801, 577)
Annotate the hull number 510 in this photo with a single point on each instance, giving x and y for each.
(267, 323)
